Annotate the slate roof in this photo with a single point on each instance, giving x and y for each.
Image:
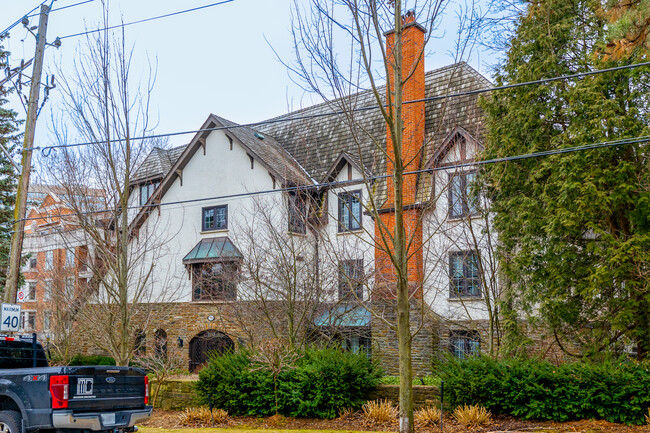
(267, 148)
(157, 163)
(303, 150)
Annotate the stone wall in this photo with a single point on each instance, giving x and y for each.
(384, 337)
(178, 394)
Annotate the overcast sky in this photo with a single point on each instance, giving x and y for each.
(215, 60)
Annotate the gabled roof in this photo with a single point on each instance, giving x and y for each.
(158, 163)
(268, 151)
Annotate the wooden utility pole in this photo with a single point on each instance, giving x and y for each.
(23, 183)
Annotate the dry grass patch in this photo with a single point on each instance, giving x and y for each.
(427, 416)
(201, 415)
(379, 411)
(346, 413)
(473, 416)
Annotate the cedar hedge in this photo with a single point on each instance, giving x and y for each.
(533, 389)
(319, 384)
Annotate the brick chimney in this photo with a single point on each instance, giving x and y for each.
(413, 139)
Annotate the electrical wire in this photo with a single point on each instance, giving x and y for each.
(342, 112)
(64, 7)
(2, 33)
(146, 19)
(600, 145)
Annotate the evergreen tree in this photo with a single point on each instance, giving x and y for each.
(8, 178)
(574, 228)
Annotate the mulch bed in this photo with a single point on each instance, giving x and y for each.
(171, 419)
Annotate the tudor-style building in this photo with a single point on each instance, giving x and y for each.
(311, 179)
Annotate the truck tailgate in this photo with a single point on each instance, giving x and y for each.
(101, 388)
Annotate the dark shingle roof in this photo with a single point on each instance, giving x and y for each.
(157, 163)
(317, 142)
(269, 151)
(303, 150)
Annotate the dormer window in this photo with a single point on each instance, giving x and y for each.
(146, 190)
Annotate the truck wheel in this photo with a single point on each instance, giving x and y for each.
(10, 421)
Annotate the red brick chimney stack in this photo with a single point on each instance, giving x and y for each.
(412, 142)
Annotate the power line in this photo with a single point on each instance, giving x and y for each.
(65, 7)
(591, 146)
(146, 19)
(19, 20)
(367, 108)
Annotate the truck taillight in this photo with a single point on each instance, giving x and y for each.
(146, 390)
(59, 389)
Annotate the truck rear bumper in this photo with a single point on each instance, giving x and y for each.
(99, 421)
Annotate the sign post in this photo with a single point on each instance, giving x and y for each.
(10, 318)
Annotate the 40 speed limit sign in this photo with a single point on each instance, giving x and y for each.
(10, 317)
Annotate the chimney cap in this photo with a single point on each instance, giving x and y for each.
(408, 20)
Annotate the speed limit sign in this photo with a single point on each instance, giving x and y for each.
(10, 317)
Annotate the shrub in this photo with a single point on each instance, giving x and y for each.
(379, 411)
(533, 389)
(79, 359)
(201, 415)
(473, 416)
(427, 416)
(320, 384)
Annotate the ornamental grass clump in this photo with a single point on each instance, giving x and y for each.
(201, 416)
(473, 416)
(379, 411)
(427, 416)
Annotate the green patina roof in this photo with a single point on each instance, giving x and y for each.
(212, 249)
(344, 315)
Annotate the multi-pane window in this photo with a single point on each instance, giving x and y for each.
(464, 343)
(297, 213)
(47, 319)
(215, 218)
(49, 260)
(146, 189)
(462, 201)
(358, 344)
(69, 258)
(215, 281)
(33, 263)
(28, 320)
(47, 292)
(69, 288)
(464, 274)
(349, 211)
(351, 278)
(31, 291)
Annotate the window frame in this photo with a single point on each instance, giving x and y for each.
(465, 195)
(469, 339)
(70, 257)
(345, 207)
(213, 229)
(149, 188)
(296, 217)
(346, 290)
(199, 293)
(454, 293)
(31, 291)
(49, 260)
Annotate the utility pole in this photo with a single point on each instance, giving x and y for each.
(23, 183)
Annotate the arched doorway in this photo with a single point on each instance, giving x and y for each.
(206, 342)
(160, 344)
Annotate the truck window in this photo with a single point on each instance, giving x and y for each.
(19, 354)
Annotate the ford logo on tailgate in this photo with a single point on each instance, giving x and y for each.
(110, 379)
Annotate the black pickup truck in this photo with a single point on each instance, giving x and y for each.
(35, 396)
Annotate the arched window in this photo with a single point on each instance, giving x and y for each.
(160, 344)
(206, 343)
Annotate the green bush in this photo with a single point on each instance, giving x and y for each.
(533, 389)
(319, 384)
(79, 359)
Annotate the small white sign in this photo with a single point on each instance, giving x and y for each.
(10, 317)
(20, 297)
